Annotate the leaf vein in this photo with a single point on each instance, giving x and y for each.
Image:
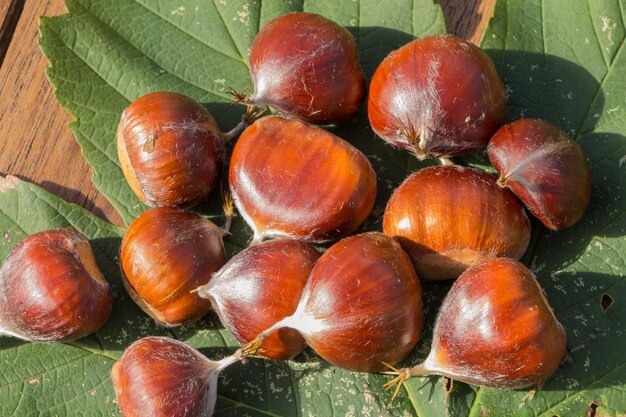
(240, 59)
(45, 372)
(578, 392)
(232, 38)
(598, 91)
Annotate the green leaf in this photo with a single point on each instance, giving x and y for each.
(565, 62)
(73, 378)
(104, 54)
(561, 61)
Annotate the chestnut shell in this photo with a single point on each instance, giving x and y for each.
(291, 179)
(266, 282)
(169, 149)
(495, 328)
(162, 377)
(362, 305)
(545, 169)
(51, 288)
(307, 66)
(436, 96)
(449, 217)
(165, 254)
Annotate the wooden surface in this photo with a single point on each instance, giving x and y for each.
(36, 143)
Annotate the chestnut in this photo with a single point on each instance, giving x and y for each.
(266, 282)
(495, 328)
(165, 254)
(169, 149)
(291, 179)
(307, 66)
(450, 217)
(544, 168)
(436, 96)
(162, 377)
(361, 306)
(51, 288)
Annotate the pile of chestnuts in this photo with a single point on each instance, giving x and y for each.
(359, 304)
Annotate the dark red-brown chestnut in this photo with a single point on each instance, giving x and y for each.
(291, 179)
(51, 288)
(165, 254)
(450, 217)
(162, 377)
(437, 96)
(362, 304)
(260, 286)
(307, 66)
(495, 328)
(169, 149)
(546, 169)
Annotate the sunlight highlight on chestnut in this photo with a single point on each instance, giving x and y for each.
(165, 254)
(307, 66)
(51, 288)
(291, 179)
(169, 149)
(260, 286)
(495, 328)
(436, 96)
(546, 169)
(450, 217)
(362, 304)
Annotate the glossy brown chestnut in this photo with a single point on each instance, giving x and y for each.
(307, 66)
(51, 288)
(436, 96)
(166, 253)
(169, 148)
(495, 328)
(449, 217)
(546, 169)
(162, 377)
(260, 286)
(362, 305)
(291, 179)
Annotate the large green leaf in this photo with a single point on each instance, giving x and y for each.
(73, 378)
(104, 54)
(565, 62)
(562, 61)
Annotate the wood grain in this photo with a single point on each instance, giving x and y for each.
(10, 12)
(467, 18)
(36, 143)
